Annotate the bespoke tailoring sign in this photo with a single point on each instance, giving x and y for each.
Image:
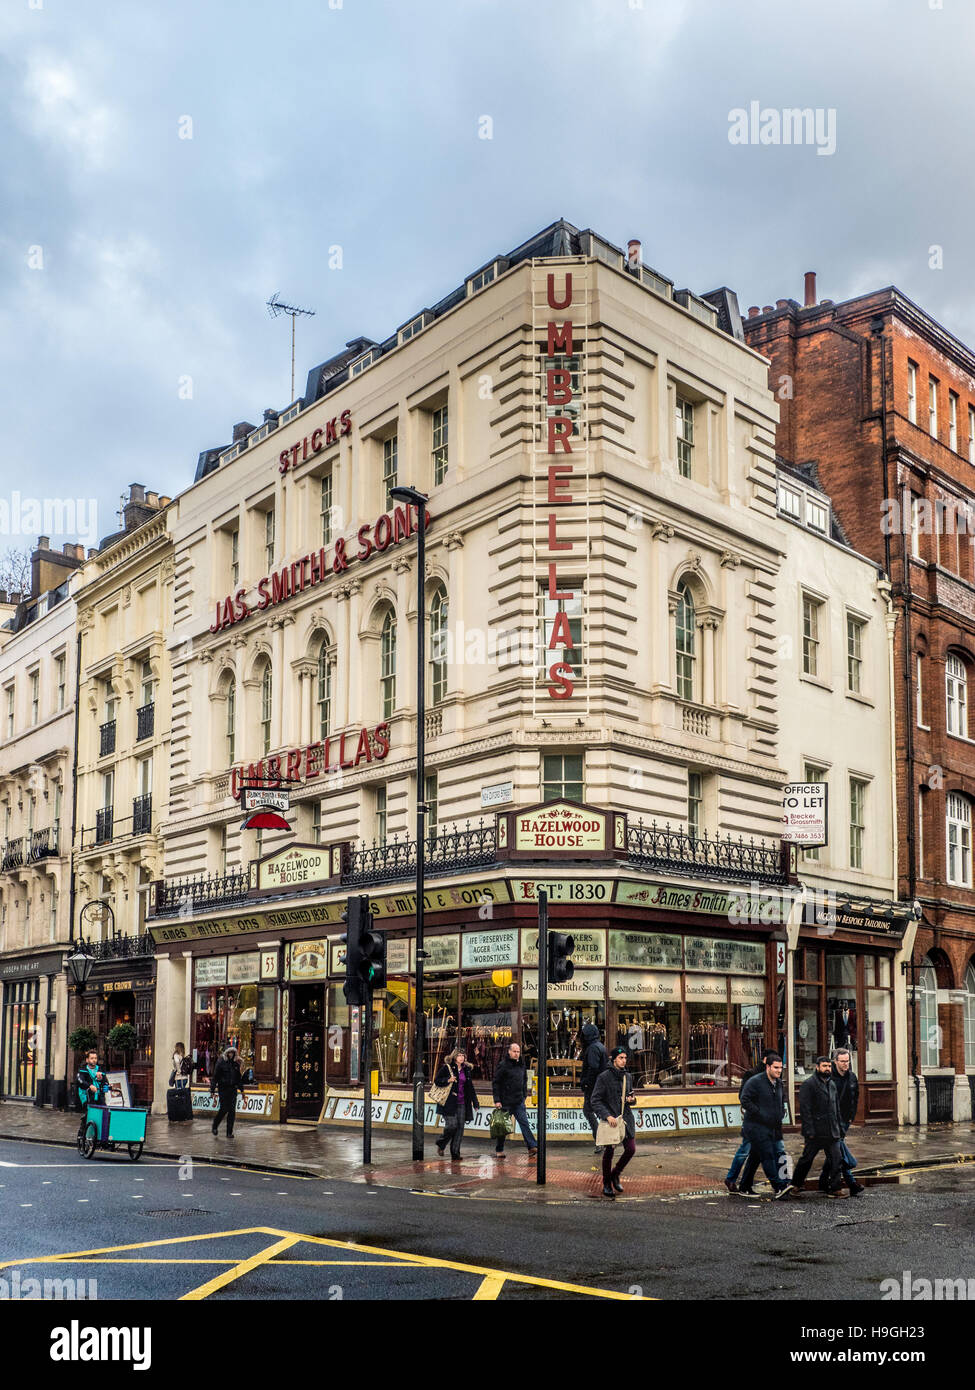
(316, 567)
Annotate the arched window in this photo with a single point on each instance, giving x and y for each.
(959, 826)
(685, 638)
(438, 646)
(266, 710)
(929, 1038)
(956, 693)
(387, 669)
(324, 691)
(970, 1016)
(231, 723)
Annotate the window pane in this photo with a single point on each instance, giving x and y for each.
(807, 1028)
(879, 1050)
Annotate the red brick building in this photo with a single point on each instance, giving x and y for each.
(877, 405)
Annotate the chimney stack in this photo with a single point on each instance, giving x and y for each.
(753, 311)
(810, 296)
(634, 251)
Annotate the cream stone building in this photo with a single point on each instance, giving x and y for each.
(124, 619)
(37, 710)
(849, 938)
(606, 605)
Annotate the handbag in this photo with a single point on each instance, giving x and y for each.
(437, 1095)
(610, 1132)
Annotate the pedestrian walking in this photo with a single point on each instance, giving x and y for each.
(612, 1097)
(595, 1060)
(819, 1116)
(179, 1105)
(92, 1086)
(744, 1148)
(762, 1102)
(460, 1104)
(226, 1084)
(848, 1101)
(510, 1090)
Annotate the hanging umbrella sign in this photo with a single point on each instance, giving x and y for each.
(264, 798)
(265, 820)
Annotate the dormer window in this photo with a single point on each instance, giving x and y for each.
(415, 326)
(816, 516)
(790, 503)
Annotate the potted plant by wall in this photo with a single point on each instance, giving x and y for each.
(123, 1039)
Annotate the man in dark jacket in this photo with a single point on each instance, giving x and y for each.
(510, 1090)
(848, 1101)
(612, 1098)
(820, 1119)
(744, 1148)
(762, 1101)
(227, 1083)
(595, 1059)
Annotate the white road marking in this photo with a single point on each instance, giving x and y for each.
(83, 1199)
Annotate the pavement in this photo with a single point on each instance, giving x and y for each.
(690, 1163)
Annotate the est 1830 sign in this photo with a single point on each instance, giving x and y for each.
(805, 819)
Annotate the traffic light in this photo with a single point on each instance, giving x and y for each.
(372, 957)
(365, 952)
(560, 948)
(356, 919)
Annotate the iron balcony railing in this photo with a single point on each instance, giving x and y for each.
(13, 855)
(145, 720)
(661, 847)
(654, 847)
(142, 814)
(186, 896)
(106, 739)
(123, 947)
(43, 843)
(103, 825)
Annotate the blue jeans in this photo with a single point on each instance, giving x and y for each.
(742, 1152)
(770, 1153)
(519, 1113)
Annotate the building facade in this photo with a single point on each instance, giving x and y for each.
(37, 707)
(606, 607)
(124, 622)
(877, 401)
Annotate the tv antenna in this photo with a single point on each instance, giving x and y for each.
(274, 308)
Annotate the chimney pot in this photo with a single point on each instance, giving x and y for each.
(165, 501)
(43, 542)
(767, 309)
(810, 294)
(634, 250)
(753, 311)
(781, 304)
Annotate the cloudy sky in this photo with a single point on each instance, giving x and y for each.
(168, 165)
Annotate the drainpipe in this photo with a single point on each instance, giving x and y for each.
(890, 624)
(72, 889)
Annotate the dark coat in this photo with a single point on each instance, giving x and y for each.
(595, 1058)
(762, 1105)
(510, 1086)
(226, 1077)
(607, 1098)
(818, 1109)
(449, 1107)
(847, 1095)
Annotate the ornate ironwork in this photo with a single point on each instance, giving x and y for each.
(470, 847)
(674, 851)
(142, 814)
(106, 738)
(187, 896)
(103, 825)
(43, 843)
(122, 947)
(145, 720)
(13, 855)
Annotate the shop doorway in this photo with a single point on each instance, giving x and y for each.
(564, 1023)
(651, 1032)
(306, 1051)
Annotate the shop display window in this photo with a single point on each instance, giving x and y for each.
(651, 1031)
(879, 1051)
(20, 1034)
(707, 1043)
(440, 1007)
(565, 1021)
(746, 1039)
(842, 1023)
(391, 1032)
(487, 1021)
(807, 1044)
(224, 1017)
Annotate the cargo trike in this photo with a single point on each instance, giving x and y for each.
(113, 1127)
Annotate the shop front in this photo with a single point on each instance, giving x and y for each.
(29, 1003)
(122, 989)
(847, 993)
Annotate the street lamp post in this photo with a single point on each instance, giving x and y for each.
(413, 498)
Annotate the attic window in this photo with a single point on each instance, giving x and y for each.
(789, 503)
(361, 363)
(482, 278)
(817, 516)
(414, 326)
